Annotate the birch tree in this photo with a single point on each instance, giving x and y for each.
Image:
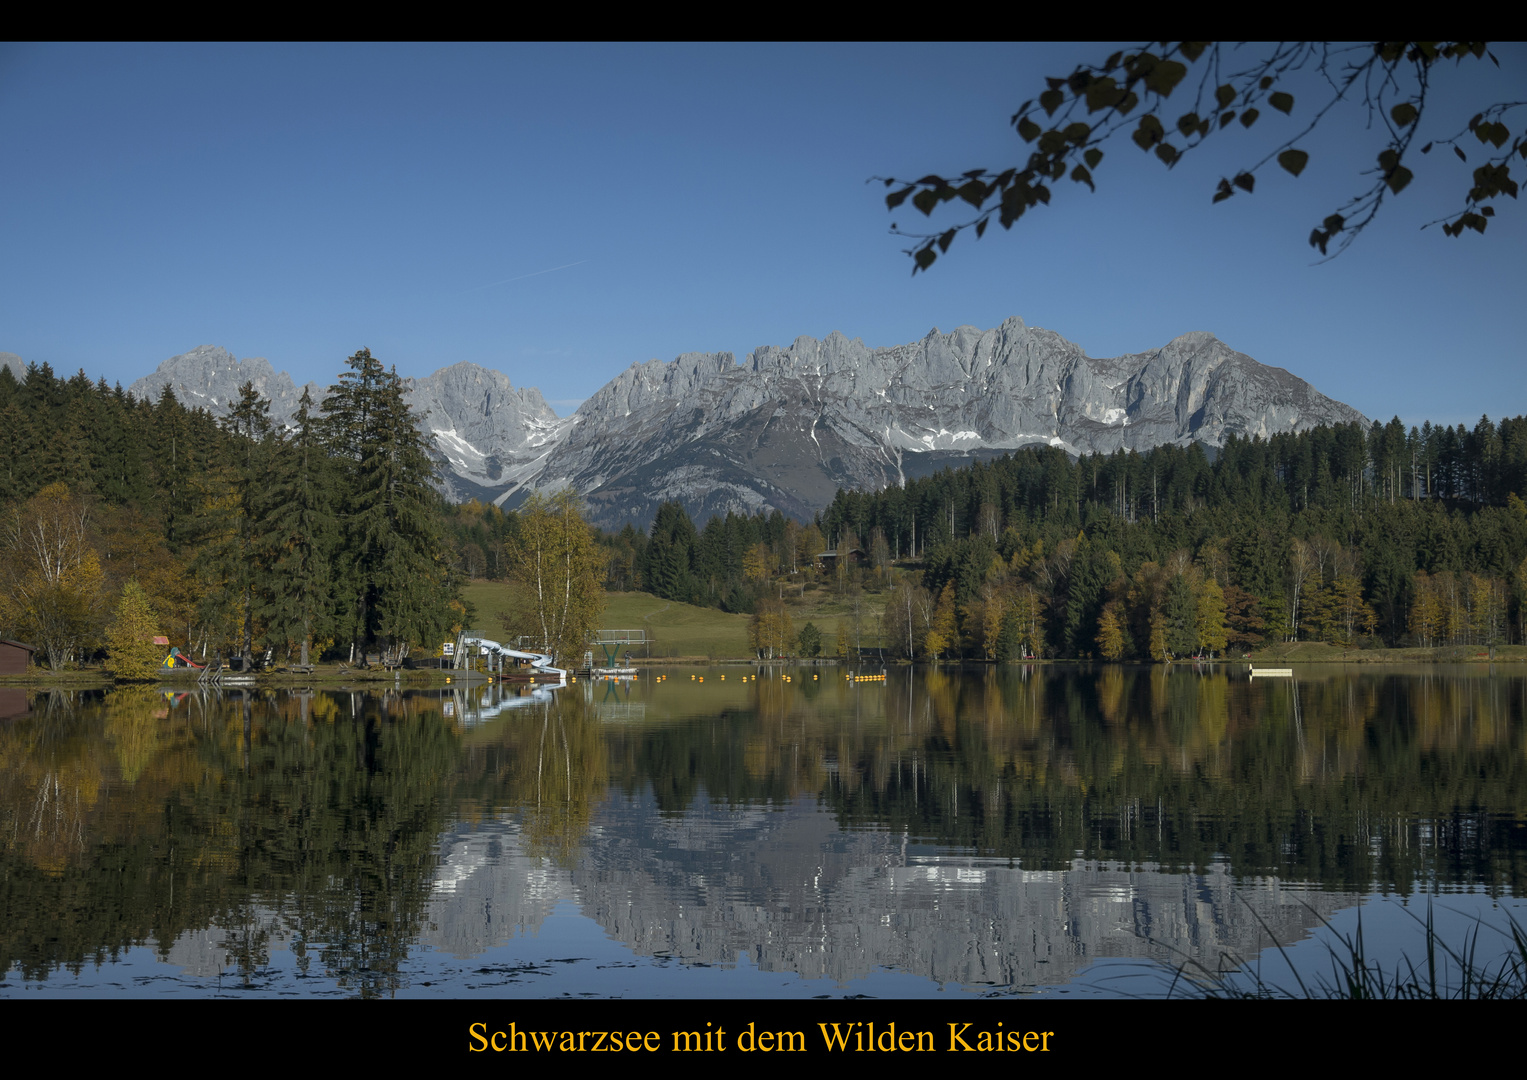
(50, 577)
(558, 569)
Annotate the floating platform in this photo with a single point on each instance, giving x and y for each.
(1272, 672)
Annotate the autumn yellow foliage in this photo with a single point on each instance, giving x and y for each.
(131, 655)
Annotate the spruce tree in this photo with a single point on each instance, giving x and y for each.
(669, 555)
(15, 443)
(1181, 616)
(393, 583)
(228, 561)
(296, 530)
(175, 486)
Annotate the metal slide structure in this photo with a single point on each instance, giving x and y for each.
(540, 663)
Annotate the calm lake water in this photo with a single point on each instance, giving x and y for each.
(1055, 831)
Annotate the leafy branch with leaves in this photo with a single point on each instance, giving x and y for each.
(1072, 119)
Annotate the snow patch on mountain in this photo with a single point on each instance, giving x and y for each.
(790, 425)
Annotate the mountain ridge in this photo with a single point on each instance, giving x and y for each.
(791, 424)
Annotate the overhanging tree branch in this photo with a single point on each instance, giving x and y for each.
(1394, 79)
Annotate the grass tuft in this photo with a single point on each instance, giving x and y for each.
(1448, 973)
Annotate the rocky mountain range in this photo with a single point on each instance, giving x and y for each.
(209, 377)
(487, 434)
(789, 426)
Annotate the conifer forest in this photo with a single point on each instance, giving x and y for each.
(1384, 537)
(328, 538)
(243, 537)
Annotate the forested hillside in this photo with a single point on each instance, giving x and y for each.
(1337, 534)
(326, 535)
(1354, 537)
(242, 535)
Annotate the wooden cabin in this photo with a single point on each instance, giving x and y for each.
(15, 656)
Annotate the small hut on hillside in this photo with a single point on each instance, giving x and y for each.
(828, 560)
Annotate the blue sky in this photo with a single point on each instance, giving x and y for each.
(559, 212)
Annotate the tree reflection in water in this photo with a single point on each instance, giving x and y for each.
(230, 831)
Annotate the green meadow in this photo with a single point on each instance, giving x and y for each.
(674, 629)
(679, 630)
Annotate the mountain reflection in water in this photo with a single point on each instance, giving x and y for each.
(993, 831)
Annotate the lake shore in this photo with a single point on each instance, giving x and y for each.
(332, 675)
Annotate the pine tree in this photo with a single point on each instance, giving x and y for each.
(393, 583)
(1008, 636)
(809, 641)
(215, 533)
(1181, 613)
(250, 423)
(668, 558)
(174, 487)
(14, 448)
(297, 529)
